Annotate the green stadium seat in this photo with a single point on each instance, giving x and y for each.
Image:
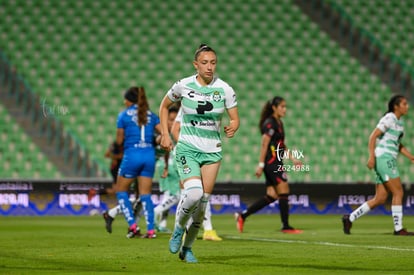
(19, 154)
(319, 80)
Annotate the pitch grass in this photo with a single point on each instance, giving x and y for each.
(80, 245)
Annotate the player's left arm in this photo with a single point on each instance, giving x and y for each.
(234, 122)
(232, 112)
(404, 151)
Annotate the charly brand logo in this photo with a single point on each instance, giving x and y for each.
(54, 110)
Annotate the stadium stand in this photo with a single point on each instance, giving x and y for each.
(82, 55)
(389, 21)
(20, 157)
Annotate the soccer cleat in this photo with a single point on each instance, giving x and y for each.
(162, 229)
(91, 193)
(187, 255)
(403, 232)
(347, 224)
(211, 235)
(108, 221)
(239, 221)
(150, 235)
(133, 231)
(176, 239)
(290, 230)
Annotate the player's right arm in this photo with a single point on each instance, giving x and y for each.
(165, 142)
(371, 147)
(175, 128)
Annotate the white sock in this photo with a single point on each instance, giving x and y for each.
(167, 202)
(178, 209)
(113, 212)
(360, 211)
(397, 215)
(163, 220)
(192, 195)
(198, 217)
(207, 218)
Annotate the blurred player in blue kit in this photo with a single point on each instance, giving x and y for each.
(136, 127)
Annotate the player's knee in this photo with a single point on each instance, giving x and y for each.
(270, 199)
(379, 201)
(193, 190)
(194, 194)
(284, 197)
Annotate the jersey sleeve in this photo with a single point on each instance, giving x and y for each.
(231, 99)
(174, 93)
(268, 128)
(385, 123)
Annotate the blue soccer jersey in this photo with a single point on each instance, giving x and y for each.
(137, 136)
(139, 149)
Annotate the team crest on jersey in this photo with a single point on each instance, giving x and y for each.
(186, 169)
(175, 96)
(216, 96)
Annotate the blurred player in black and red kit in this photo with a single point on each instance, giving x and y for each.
(273, 151)
(115, 153)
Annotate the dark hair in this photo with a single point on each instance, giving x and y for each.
(394, 100)
(267, 110)
(173, 108)
(131, 94)
(203, 48)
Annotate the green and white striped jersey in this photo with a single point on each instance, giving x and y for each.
(202, 109)
(393, 130)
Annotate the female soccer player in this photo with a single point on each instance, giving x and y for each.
(204, 98)
(136, 127)
(383, 147)
(172, 187)
(273, 151)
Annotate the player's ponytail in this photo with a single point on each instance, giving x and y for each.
(267, 110)
(394, 101)
(142, 107)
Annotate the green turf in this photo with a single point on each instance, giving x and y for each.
(80, 245)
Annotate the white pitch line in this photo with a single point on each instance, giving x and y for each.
(321, 243)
